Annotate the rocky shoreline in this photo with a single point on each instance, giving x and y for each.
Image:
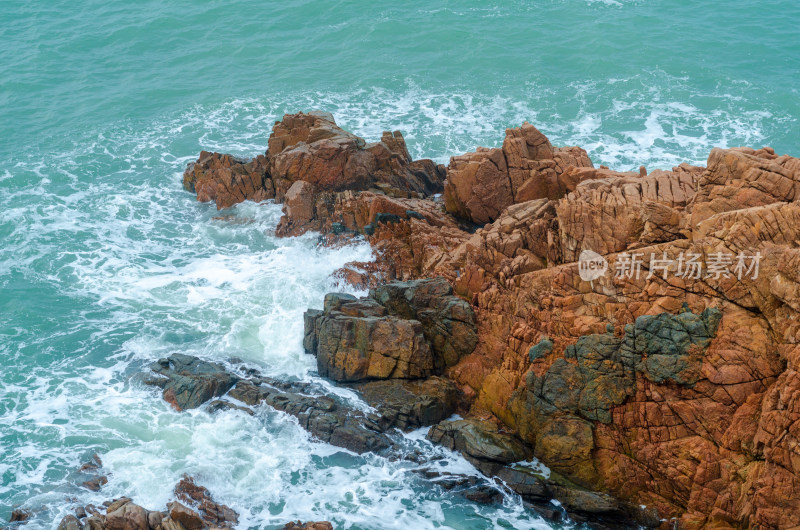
(652, 396)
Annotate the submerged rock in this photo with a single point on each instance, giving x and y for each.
(189, 382)
(324, 417)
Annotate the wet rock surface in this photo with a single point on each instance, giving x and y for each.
(409, 405)
(326, 418)
(188, 382)
(662, 389)
(195, 510)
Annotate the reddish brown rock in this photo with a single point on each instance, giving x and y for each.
(213, 514)
(188, 518)
(482, 184)
(311, 147)
(322, 525)
(624, 211)
(299, 210)
(741, 178)
(228, 180)
(128, 516)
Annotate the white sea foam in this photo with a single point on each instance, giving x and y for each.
(137, 269)
(151, 272)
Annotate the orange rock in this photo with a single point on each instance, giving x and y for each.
(482, 184)
(228, 180)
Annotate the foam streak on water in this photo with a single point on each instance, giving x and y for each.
(108, 265)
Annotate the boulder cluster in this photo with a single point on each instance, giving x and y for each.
(662, 390)
(193, 509)
(669, 380)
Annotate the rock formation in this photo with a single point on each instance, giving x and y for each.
(482, 184)
(664, 376)
(402, 330)
(194, 510)
(308, 162)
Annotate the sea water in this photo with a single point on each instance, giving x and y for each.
(107, 264)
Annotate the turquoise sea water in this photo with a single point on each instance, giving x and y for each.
(107, 264)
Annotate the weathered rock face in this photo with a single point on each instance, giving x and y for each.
(525, 238)
(743, 178)
(482, 184)
(188, 382)
(199, 513)
(408, 404)
(412, 238)
(597, 374)
(406, 330)
(625, 211)
(667, 412)
(355, 340)
(228, 180)
(312, 148)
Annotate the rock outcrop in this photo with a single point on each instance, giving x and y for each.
(188, 382)
(228, 180)
(309, 162)
(482, 184)
(199, 512)
(312, 148)
(664, 376)
(402, 330)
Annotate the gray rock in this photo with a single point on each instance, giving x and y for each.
(411, 404)
(322, 416)
(189, 382)
(478, 440)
